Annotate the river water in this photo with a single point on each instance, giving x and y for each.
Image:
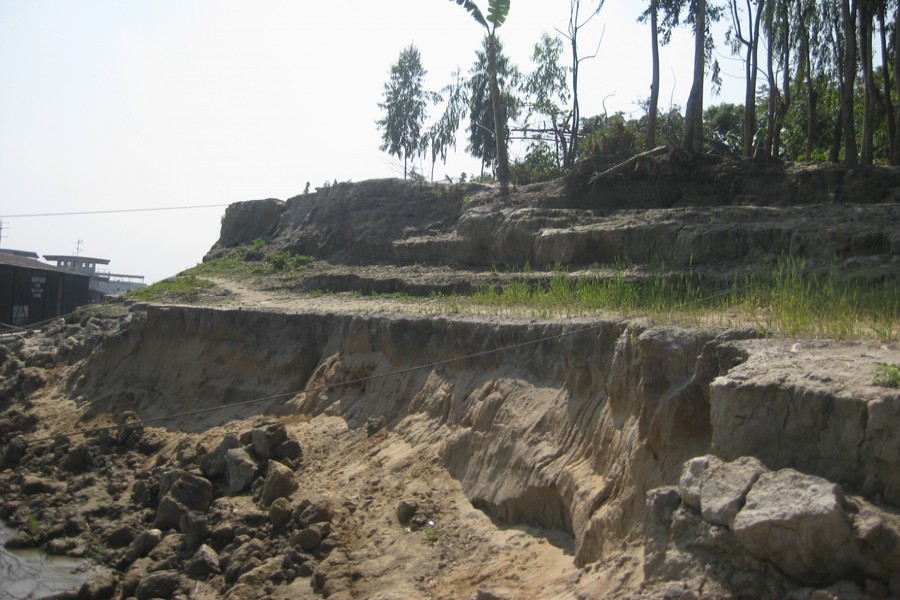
(34, 574)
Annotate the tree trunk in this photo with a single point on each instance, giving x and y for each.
(772, 108)
(693, 118)
(499, 122)
(653, 108)
(886, 77)
(848, 15)
(576, 111)
(785, 104)
(865, 59)
(806, 57)
(896, 159)
(751, 64)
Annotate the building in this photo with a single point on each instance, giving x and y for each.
(32, 291)
(103, 283)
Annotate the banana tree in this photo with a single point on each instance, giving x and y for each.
(497, 13)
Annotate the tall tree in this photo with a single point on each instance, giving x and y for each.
(887, 101)
(482, 127)
(806, 15)
(848, 19)
(747, 36)
(548, 90)
(498, 10)
(441, 136)
(869, 91)
(405, 102)
(652, 13)
(896, 43)
(571, 34)
(693, 113)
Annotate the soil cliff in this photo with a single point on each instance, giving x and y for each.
(270, 443)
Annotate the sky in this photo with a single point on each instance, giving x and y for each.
(126, 105)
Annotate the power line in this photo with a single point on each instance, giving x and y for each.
(111, 211)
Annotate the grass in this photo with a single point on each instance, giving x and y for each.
(249, 262)
(789, 300)
(887, 375)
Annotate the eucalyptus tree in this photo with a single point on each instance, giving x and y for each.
(746, 35)
(548, 93)
(405, 103)
(849, 10)
(498, 10)
(571, 34)
(441, 136)
(693, 111)
(663, 16)
(881, 7)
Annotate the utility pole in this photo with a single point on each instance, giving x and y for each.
(2, 227)
(78, 245)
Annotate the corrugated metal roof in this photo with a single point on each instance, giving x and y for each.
(30, 263)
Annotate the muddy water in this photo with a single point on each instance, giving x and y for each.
(33, 574)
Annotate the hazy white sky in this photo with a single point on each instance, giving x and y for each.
(124, 104)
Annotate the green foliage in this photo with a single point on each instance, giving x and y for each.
(887, 375)
(540, 164)
(405, 102)
(182, 288)
(612, 138)
(725, 127)
(481, 115)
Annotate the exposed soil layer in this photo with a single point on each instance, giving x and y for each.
(267, 444)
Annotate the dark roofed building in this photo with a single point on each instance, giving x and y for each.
(32, 291)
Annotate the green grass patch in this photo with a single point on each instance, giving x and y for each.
(887, 375)
(182, 288)
(789, 300)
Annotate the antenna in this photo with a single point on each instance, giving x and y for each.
(2, 227)
(78, 246)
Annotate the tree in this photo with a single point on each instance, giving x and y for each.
(498, 10)
(693, 117)
(548, 92)
(747, 36)
(441, 136)
(483, 143)
(571, 34)
(405, 102)
(848, 17)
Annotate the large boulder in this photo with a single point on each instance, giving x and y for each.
(240, 469)
(798, 522)
(279, 483)
(213, 464)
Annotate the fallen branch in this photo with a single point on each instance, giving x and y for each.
(624, 166)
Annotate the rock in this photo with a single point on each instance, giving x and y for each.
(289, 450)
(162, 584)
(280, 512)
(133, 576)
(143, 544)
(240, 470)
(195, 529)
(314, 513)
(725, 486)
(185, 492)
(691, 477)
(21, 539)
(120, 537)
(203, 564)
(796, 521)
(32, 485)
(193, 491)
(267, 439)
(222, 535)
(405, 511)
(101, 586)
(375, 424)
(279, 483)
(213, 464)
(78, 459)
(307, 539)
(169, 513)
(13, 453)
(130, 430)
